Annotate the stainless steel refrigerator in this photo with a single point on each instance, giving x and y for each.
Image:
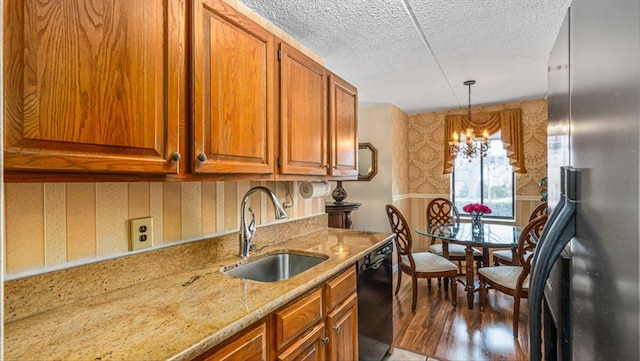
(590, 285)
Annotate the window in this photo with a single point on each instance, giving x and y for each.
(489, 181)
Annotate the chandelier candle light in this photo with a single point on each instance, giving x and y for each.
(476, 211)
(466, 145)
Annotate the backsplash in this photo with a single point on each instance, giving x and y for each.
(31, 295)
(50, 226)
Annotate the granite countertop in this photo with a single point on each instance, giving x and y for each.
(181, 315)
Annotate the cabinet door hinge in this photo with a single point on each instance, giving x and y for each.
(279, 54)
(279, 161)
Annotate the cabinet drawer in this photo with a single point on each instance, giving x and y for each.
(310, 347)
(340, 287)
(294, 319)
(251, 346)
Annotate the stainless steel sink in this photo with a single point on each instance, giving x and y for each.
(275, 267)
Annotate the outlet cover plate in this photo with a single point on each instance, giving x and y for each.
(141, 233)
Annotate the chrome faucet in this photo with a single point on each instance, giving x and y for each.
(247, 232)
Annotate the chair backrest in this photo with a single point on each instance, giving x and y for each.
(538, 211)
(527, 244)
(401, 229)
(441, 211)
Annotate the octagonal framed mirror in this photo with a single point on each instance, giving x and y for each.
(367, 161)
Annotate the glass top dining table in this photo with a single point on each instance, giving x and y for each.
(490, 236)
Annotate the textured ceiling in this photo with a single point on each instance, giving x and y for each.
(416, 54)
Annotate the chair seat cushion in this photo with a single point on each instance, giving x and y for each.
(503, 254)
(506, 254)
(506, 276)
(454, 250)
(429, 262)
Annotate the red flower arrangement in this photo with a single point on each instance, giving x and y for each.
(476, 208)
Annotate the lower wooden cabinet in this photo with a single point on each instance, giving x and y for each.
(297, 318)
(310, 347)
(339, 321)
(250, 346)
(320, 325)
(342, 327)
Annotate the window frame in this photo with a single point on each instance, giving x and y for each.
(491, 216)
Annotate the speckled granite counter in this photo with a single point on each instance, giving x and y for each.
(180, 315)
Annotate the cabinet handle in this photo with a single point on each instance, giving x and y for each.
(326, 166)
(325, 340)
(336, 328)
(202, 157)
(175, 156)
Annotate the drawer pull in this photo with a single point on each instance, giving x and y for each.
(336, 328)
(325, 340)
(175, 156)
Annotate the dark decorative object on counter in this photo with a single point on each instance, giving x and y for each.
(339, 194)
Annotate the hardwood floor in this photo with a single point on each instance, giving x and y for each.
(439, 330)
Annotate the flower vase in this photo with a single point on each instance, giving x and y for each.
(476, 223)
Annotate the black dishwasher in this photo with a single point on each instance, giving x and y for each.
(375, 304)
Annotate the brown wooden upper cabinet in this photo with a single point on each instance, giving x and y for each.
(343, 120)
(102, 89)
(233, 92)
(92, 86)
(318, 120)
(304, 127)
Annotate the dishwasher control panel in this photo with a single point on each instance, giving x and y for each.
(376, 257)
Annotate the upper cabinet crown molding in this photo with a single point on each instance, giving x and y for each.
(93, 89)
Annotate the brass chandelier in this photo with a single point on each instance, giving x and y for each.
(466, 146)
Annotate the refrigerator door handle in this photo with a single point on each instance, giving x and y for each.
(556, 236)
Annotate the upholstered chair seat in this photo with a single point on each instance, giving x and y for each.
(455, 250)
(429, 262)
(506, 276)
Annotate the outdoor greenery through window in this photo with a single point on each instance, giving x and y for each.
(489, 181)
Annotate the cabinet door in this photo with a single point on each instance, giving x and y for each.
(310, 347)
(303, 114)
(92, 85)
(233, 92)
(343, 121)
(251, 346)
(342, 324)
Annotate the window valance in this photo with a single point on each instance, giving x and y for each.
(508, 122)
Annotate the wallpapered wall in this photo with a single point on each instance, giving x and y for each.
(400, 151)
(426, 134)
(49, 225)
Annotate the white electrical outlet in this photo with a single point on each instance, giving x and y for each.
(141, 235)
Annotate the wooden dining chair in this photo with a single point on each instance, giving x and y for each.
(514, 280)
(441, 211)
(419, 264)
(505, 256)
